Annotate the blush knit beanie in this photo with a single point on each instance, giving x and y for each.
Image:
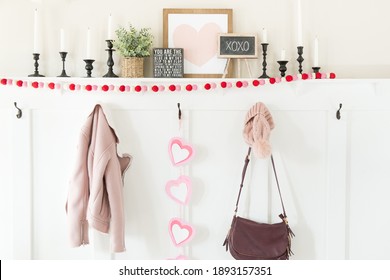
(257, 129)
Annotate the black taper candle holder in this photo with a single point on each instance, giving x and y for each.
(316, 69)
(110, 61)
(300, 59)
(264, 48)
(63, 56)
(89, 67)
(282, 67)
(36, 65)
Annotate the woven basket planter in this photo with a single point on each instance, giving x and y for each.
(133, 67)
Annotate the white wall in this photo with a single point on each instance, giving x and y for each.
(352, 34)
(333, 173)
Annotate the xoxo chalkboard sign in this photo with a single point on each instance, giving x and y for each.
(231, 45)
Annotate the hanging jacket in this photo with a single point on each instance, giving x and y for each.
(95, 196)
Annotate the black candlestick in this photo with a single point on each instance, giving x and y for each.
(36, 65)
(110, 61)
(316, 69)
(63, 56)
(282, 67)
(264, 47)
(300, 58)
(88, 66)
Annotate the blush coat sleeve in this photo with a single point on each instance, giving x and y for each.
(114, 185)
(78, 194)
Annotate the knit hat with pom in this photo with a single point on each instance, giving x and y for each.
(257, 130)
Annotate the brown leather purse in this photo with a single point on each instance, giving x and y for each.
(250, 240)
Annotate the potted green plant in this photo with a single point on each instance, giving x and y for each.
(133, 45)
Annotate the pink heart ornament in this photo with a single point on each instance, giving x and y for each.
(180, 152)
(180, 232)
(179, 190)
(180, 257)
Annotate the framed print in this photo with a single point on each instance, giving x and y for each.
(196, 32)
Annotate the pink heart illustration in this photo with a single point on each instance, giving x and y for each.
(180, 232)
(199, 46)
(179, 190)
(180, 152)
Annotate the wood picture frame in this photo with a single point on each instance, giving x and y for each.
(196, 31)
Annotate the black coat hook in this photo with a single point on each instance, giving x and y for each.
(19, 114)
(179, 114)
(338, 114)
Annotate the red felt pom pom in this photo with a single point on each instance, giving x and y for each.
(289, 78)
(19, 83)
(72, 86)
(332, 76)
(52, 85)
(239, 84)
(305, 76)
(3, 81)
(35, 84)
(188, 87)
(105, 87)
(318, 75)
(88, 87)
(122, 88)
(138, 88)
(223, 84)
(207, 86)
(155, 88)
(256, 83)
(172, 87)
(272, 81)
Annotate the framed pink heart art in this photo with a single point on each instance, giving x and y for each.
(180, 152)
(196, 31)
(180, 232)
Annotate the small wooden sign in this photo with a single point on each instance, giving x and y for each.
(168, 63)
(231, 45)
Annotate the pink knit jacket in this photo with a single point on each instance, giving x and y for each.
(95, 194)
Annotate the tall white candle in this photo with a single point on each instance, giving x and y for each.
(265, 39)
(315, 63)
(299, 25)
(283, 55)
(109, 28)
(35, 48)
(88, 54)
(62, 40)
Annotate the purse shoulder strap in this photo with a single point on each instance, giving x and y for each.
(243, 178)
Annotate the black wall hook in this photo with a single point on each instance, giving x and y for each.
(19, 114)
(338, 114)
(179, 114)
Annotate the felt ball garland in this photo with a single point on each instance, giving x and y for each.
(173, 88)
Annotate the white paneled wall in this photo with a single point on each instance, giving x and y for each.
(333, 173)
